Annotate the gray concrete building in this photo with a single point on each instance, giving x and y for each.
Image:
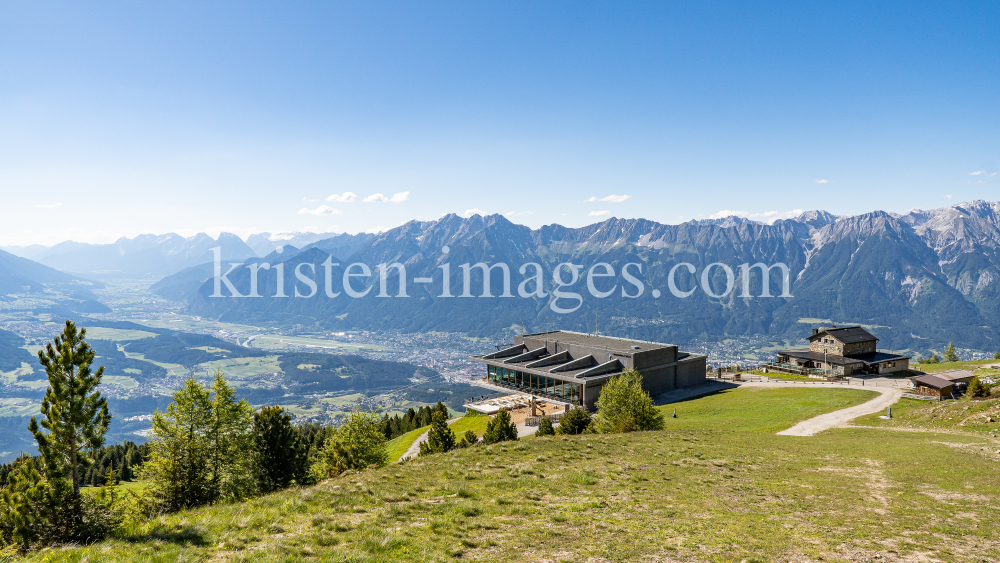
(573, 367)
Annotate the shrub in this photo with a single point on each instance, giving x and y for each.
(468, 439)
(500, 429)
(576, 421)
(440, 438)
(978, 389)
(624, 406)
(545, 427)
(356, 445)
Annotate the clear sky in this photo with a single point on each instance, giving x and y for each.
(134, 117)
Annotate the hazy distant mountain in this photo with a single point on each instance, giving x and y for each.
(144, 255)
(29, 252)
(20, 275)
(341, 246)
(266, 243)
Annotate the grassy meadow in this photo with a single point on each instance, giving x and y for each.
(716, 485)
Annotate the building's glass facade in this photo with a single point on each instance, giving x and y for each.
(532, 383)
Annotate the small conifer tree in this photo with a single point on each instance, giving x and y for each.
(978, 389)
(576, 421)
(624, 406)
(468, 439)
(500, 428)
(75, 419)
(440, 438)
(950, 354)
(178, 468)
(545, 427)
(279, 450)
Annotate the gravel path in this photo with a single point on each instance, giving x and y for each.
(414, 450)
(840, 418)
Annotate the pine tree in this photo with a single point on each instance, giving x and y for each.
(28, 509)
(76, 416)
(624, 406)
(545, 427)
(279, 450)
(178, 468)
(950, 355)
(978, 389)
(441, 408)
(500, 428)
(576, 421)
(468, 439)
(229, 443)
(440, 438)
(996, 355)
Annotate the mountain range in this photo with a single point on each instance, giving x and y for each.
(142, 256)
(919, 280)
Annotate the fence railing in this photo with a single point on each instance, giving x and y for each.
(534, 420)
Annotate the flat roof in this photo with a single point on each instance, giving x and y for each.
(610, 343)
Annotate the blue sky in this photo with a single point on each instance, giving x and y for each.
(125, 118)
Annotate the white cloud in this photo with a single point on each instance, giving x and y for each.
(48, 205)
(611, 198)
(822, 181)
(598, 213)
(379, 198)
(321, 210)
(977, 173)
(764, 217)
(470, 212)
(993, 174)
(947, 196)
(345, 197)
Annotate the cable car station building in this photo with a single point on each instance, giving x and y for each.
(573, 367)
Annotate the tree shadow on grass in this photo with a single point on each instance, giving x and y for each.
(709, 388)
(187, 536)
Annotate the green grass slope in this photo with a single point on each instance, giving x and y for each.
(398, 445)
(716, 485)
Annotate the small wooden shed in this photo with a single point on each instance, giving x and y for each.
(933, 386)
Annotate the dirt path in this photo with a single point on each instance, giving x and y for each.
(835, 419)
(414, 450)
